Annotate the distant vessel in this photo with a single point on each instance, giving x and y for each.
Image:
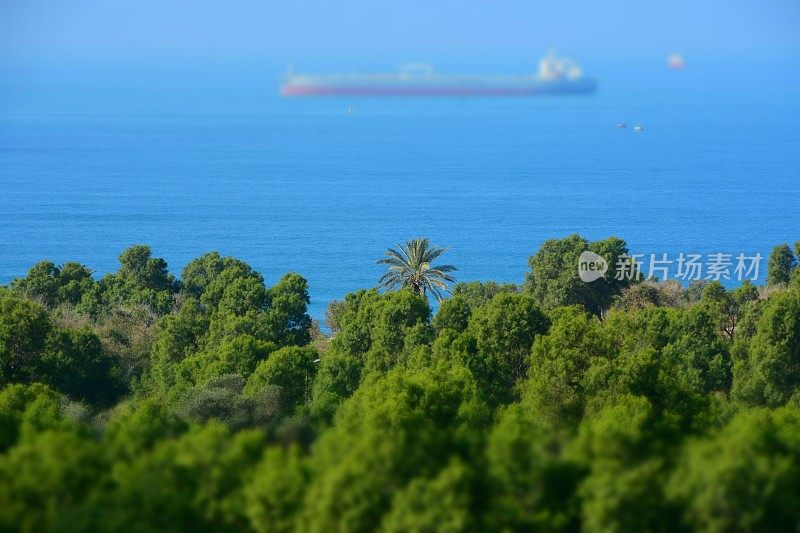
(638, 127)
(555, 76)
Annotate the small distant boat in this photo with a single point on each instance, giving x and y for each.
(638, 127)
(621, 125)
(349, 110)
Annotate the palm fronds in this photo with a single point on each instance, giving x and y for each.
(410, 265)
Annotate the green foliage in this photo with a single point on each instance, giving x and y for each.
(504, 331)
(337, 379)
(177, 336)
(554, 282)
(454, 314)
(623, 489)
(136, 427)
(28, 410)
(53, 285)
(659, 361)
(442, 503)
(394, 429)
(189, 483)
(275, 495)
(202, 272)
(727, 308)
(46, 476)
(782, 263)
(532, 486)
(75, 363)
(24, 328)
(32, 349)
(374, 326)
(291, 368)
(141, 279)
(287, 318)
(745, 478)
(560, 360)
(478, 294)
(674, 410)
(767, 370)
(246, 306)
(236, 324)
(411, 266)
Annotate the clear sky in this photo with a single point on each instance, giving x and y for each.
(107, 29)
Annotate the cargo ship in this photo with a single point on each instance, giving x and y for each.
(556, 76)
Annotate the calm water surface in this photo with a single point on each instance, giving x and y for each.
(303, 186)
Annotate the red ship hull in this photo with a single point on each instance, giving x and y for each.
(318, 90)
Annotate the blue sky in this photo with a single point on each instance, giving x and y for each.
(65, 55)
(146, 29)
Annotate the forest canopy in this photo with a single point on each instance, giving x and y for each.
(146, 400)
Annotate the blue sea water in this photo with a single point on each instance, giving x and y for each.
(301, 185)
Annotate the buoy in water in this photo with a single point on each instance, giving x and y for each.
(675, 61)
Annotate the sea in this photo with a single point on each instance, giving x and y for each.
(189, 160)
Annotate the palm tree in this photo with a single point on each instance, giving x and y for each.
(410, 266)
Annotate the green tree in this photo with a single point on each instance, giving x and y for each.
(662, 357)
(781, 264)
(141, 269)
(727, 307)
(442, 503)
(24, 328)
(53, 285)
(532, 487)
(338, 377)
(245, 306)
(767, 370)
(504, 331)
(33, 349)
(287, 316)
(193, 482)
(478, 294)
(203, 271)
(291, 368)
(141, 279)
(177, 336)
(375, 327)
(554, 280)
(454, 313)
(624, 488)
(745, 477)
(45, 476)
(396, 428)
(556, 387)
(75, 363)
(26, 410)
(274, 496)
(412, 266)
(135, 427)
(212, 282)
